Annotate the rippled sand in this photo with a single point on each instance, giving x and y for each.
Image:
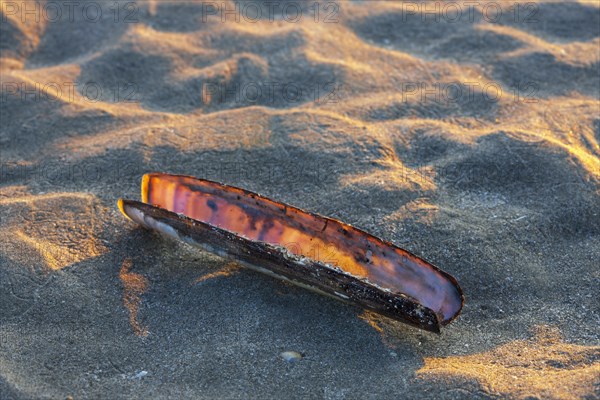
(468, 134)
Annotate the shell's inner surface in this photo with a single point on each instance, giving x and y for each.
(303, 234)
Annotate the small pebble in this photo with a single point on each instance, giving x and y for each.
(291, 356)
(141, 374)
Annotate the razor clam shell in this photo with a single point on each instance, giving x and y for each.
(303, 233)
(278, 262)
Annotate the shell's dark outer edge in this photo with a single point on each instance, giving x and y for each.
(304, 270)
(452, 279)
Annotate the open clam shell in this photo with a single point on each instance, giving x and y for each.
(312, 251)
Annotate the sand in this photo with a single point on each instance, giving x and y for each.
(468, 135)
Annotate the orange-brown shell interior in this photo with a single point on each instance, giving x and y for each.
(332, 242)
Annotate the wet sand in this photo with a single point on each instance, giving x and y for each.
(467, 134)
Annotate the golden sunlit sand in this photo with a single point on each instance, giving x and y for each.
(134, 286)
(543, 366)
